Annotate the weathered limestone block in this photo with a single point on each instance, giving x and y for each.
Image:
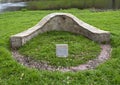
(60, 22)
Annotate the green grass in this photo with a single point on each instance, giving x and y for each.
(12, 73)
(63, 4)
(43, 48)
(58, 4)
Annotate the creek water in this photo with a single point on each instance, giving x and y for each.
(11, 6)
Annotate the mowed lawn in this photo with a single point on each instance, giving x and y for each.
(13, 73)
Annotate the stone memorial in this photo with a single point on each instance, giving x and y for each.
(60, 22)
(62, 50)
(64, 22)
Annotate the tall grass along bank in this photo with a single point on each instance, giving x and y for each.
(81, 4)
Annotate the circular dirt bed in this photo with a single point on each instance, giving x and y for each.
(91, 64)
(83, 53)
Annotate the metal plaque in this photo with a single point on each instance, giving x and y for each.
(62, 50)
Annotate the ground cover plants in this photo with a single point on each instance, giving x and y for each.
(13, 73)
(43, 48)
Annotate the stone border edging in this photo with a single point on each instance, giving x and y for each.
(91, 64)
(64, 22)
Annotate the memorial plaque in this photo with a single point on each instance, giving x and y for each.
(62, 50)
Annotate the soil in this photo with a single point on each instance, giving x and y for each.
(91, 64)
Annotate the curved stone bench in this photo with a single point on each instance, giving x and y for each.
(60, 22)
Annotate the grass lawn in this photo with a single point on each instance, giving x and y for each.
(43, 48)
(12, 73)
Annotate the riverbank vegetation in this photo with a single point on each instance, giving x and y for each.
(81, 4)
(13, 73)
